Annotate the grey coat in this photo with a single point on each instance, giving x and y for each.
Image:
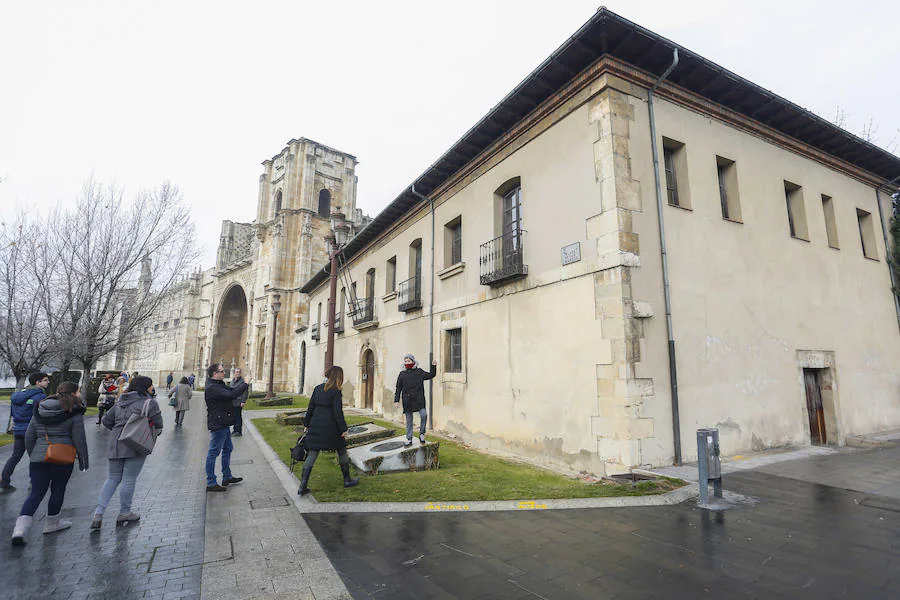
(182, 394)
(131, 403)
(242, 399)
(52, 422)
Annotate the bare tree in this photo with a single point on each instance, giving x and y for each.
(105, 289)
(26, 340)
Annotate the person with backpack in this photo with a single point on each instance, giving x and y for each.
(326, 428)
(125, 463)
(22, 409)
(411, 387)
(107, 399)
(54, 439)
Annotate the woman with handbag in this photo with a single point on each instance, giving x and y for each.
(54, 439)
(125, 461)
(326, 428)
(180, 400)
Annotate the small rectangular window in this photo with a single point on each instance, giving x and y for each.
(830, 224)
(454, 355)
(796, 211)
(728, 189)
(177, 322)
(453, 242)
(866, 233)
(390, 281)
(675, 166)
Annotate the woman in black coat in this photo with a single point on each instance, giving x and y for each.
(326, 428)
(411, 387)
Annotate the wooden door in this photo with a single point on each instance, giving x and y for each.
(369, 379)
(814, 407)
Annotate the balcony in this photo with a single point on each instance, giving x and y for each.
(363, 314)
(409, 294)
(314, 332)
(502, 259)
(339, 324)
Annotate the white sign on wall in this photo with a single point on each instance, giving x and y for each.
(571, 253)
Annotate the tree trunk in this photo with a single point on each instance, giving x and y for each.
(86, 364)
(20, 381)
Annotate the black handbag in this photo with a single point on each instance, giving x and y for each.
(299, 451)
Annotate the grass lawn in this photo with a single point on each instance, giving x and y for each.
(5, 438)
(464, 474)
(299, 402)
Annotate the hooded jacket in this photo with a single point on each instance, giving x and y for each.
(24, 404)
(131, 403)
(53, 423)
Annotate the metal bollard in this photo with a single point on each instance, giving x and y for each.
(709, 464)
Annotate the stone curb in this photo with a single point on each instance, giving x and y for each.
(307, 504)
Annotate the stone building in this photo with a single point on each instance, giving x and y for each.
(603, 271)
(224, 313)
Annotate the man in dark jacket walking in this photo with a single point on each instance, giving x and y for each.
(238, 404)
(23, 406)
(411, 387)
(219, 419)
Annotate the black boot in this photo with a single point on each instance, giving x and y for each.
(304, 479)
(345, 469)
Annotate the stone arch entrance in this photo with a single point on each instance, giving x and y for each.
(231, 329)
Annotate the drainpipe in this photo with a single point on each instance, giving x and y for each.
(887, 246)
(673, 374)
(412, 188)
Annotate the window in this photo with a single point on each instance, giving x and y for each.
(277, 202)
(866, 233)
(166, 325)
(343, 303)
(390, 280)
(319, 315)
(156, 327)
(830, 225)
(796, 211)
(415, 258)
(675, 167)
(454, 351)
(728, 189)
(453, 242)
(370, 285)
(325, 204)
(177, 322)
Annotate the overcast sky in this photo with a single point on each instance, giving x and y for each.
(200, 93)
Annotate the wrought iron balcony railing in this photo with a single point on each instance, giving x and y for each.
(364, 312)
(339, 323)
(502, 259)
(314, 332)
(409, 294)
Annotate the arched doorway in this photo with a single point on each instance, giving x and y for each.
(302, 365)
(231, 329)
(368, 378)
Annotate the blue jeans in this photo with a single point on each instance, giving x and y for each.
(43, 476)
(124, 471)
(219, 441)
(423, 419)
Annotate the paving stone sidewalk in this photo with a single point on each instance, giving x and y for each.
(158, 558)
(257, 542)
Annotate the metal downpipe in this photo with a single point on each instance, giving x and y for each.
(887, 246)
(412, 188)
(673, 374)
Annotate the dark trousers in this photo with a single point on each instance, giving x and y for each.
(43, 476)
(100, 411)
(10, 466)
(179, 417)
(238, 422)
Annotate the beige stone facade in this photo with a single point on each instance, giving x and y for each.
(566, 361)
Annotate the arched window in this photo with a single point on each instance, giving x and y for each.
(278, 202)
(325, 204)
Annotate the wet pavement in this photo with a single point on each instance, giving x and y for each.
(800, 539)
(161, 557)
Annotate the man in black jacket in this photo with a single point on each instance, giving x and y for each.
(410, 387)
(219, 419)
(238, 404)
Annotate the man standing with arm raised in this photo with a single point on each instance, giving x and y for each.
(219, 419)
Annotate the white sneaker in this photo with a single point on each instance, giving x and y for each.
(23, 523)
(54, 523)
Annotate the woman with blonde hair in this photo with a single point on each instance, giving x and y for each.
(326, 428)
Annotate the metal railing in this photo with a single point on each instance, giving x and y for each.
(502, 258)
(363, 312)
(339, 323)
(314, 332)
(409, 294)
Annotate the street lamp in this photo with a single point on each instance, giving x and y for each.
(334, 240)
(276, 306)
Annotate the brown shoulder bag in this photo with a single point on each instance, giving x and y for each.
(59, 454)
